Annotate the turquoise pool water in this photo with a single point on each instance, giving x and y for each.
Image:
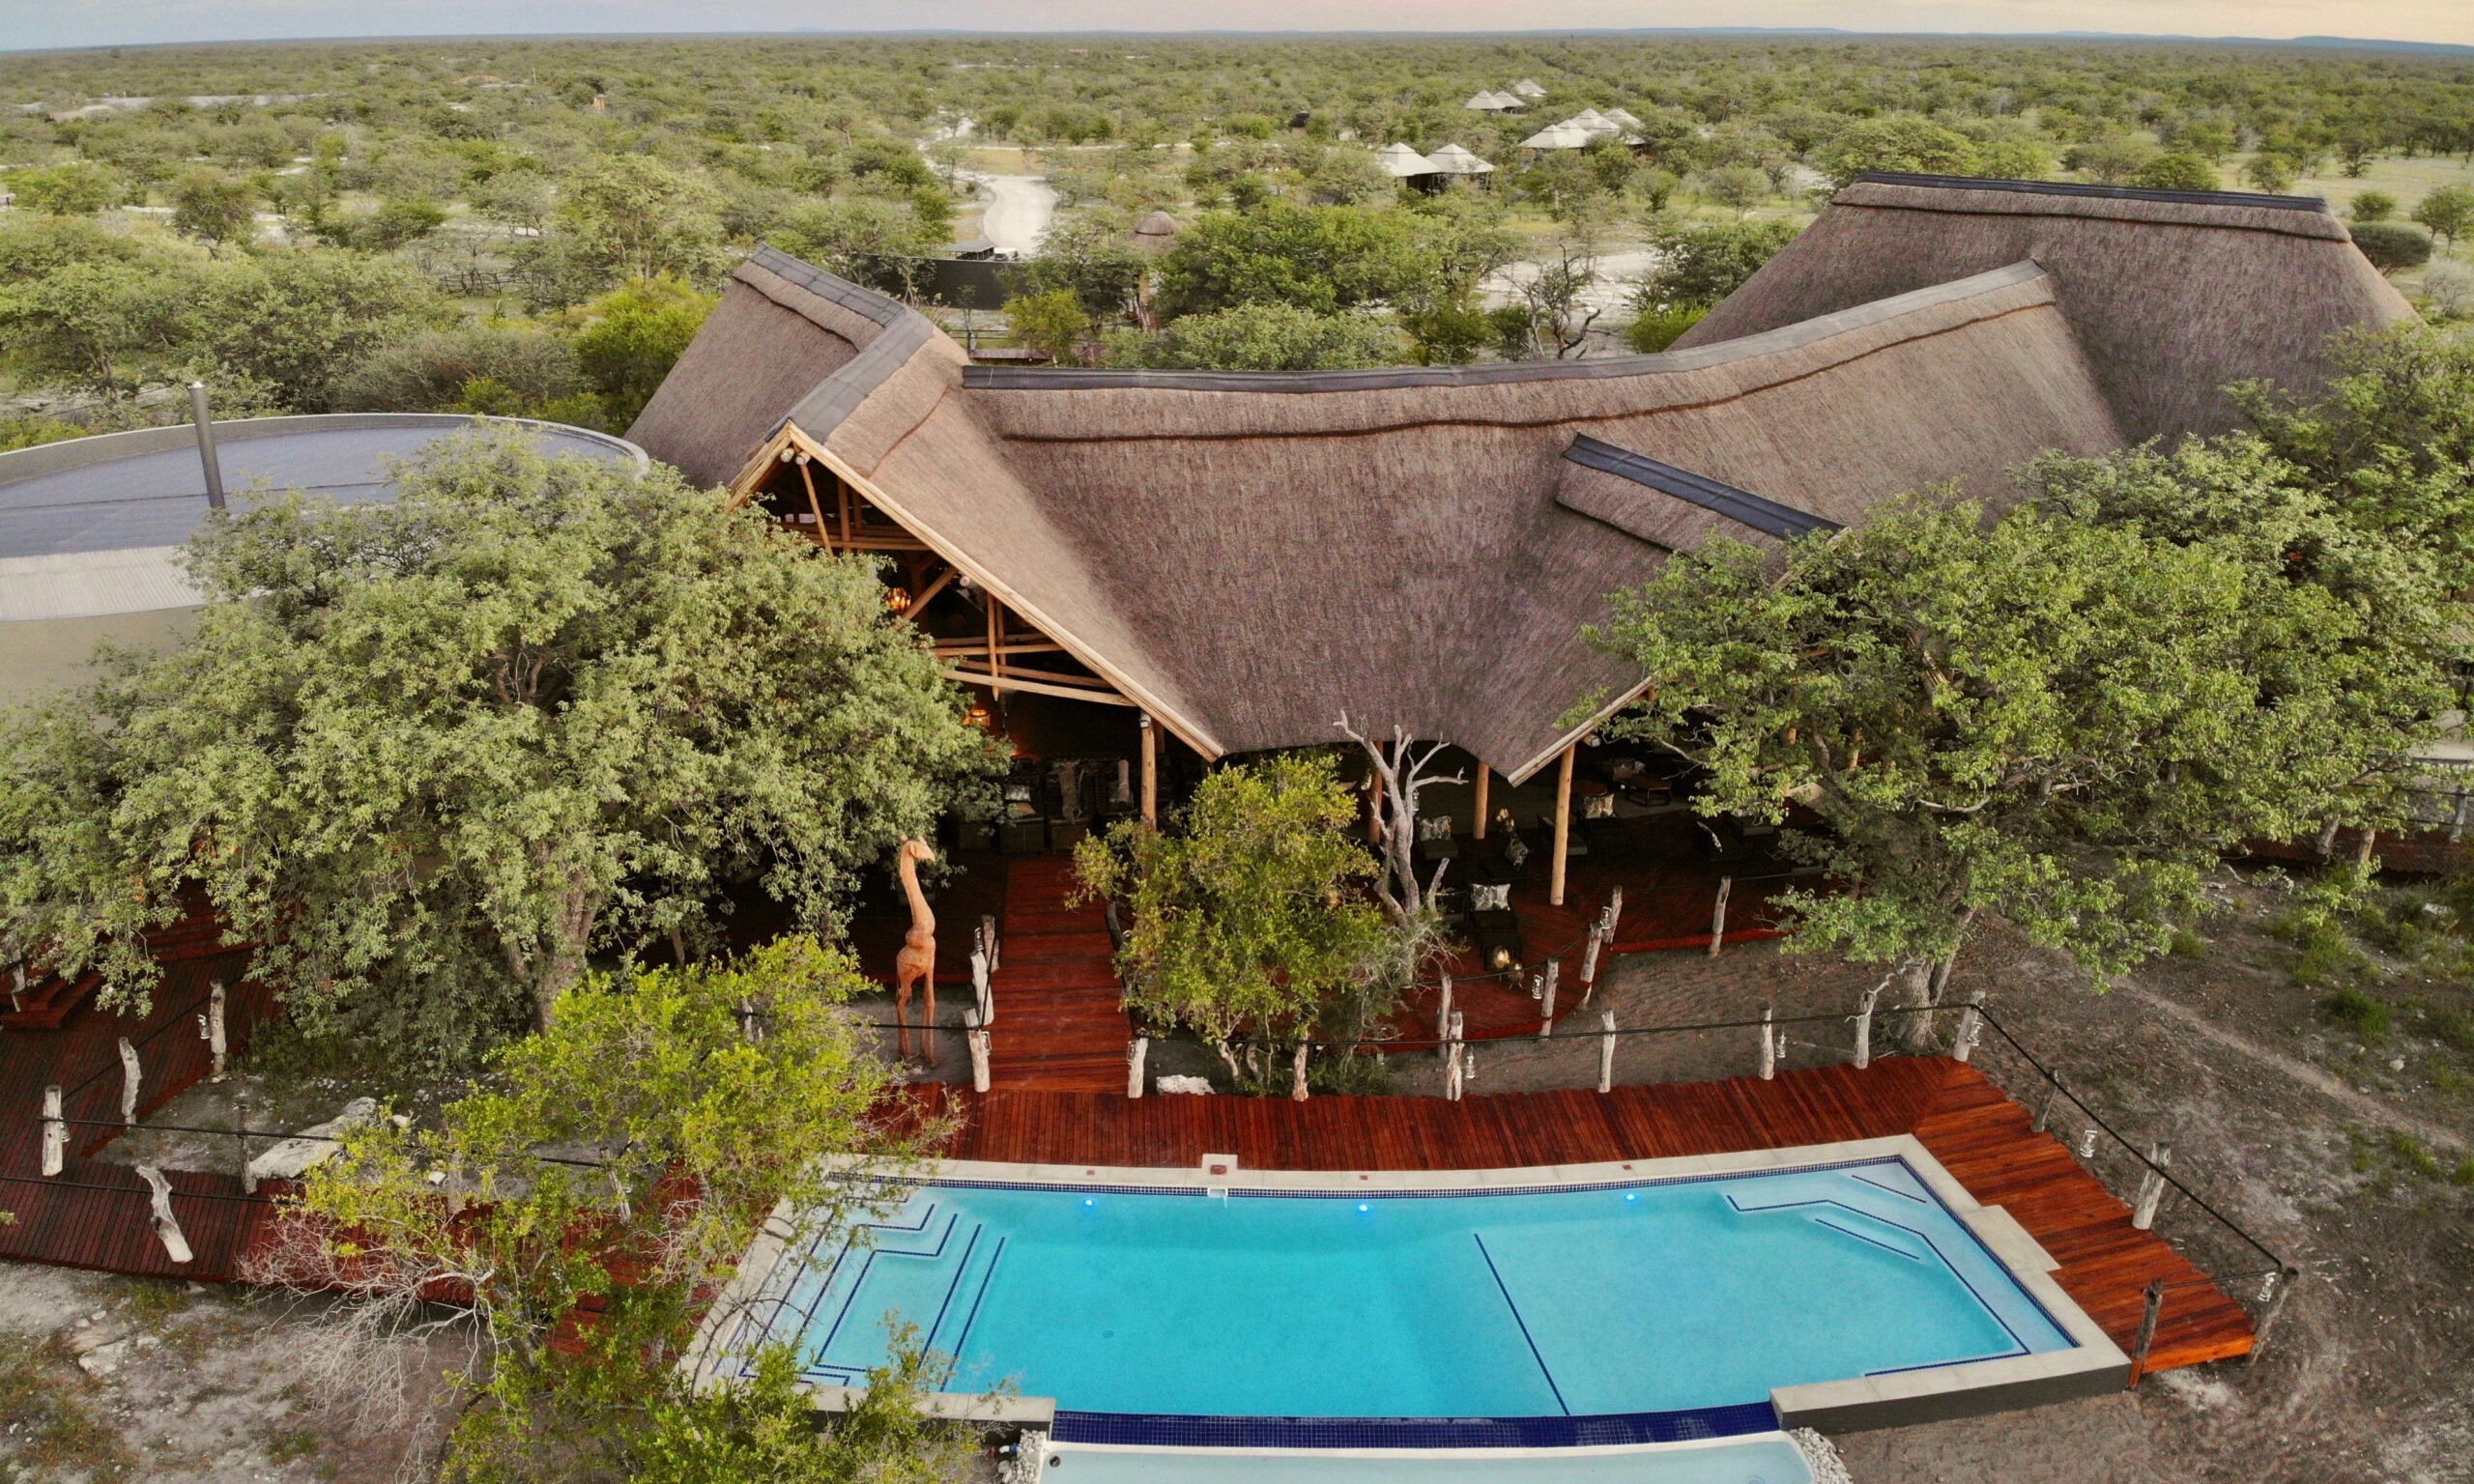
(1569, 1303)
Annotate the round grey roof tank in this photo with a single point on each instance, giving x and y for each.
(91, 527)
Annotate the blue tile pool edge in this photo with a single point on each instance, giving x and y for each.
(1698, 1424)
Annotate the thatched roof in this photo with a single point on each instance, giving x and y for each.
(1247, 554)
(2173, 293)
(1452, 160)
(1402, 161)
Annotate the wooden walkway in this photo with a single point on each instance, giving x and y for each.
(1056, 984)
(1979, 1135)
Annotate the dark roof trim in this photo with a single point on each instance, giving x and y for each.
(867, 304)
(1498, 373)
(2311, 204)
(1741, 506)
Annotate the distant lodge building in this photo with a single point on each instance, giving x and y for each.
(1239, 559)
(1430, 171)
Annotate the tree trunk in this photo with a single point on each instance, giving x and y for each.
(1918, 975)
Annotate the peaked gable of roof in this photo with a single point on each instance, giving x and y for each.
(2173, 293)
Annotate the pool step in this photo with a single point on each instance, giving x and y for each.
(930, 1266)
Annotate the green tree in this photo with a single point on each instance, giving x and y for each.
(875, 243)
(1264, 337)
(628, 216)
(2448, 212)
(1321, 258)
(79, 189)
(2391, 245)
(296, 319)
(1248, 918)
(648, 1088)
(2114, 161)
(2058, 717)
(2177, 172)
(399, 223)
(2271, 173)
(428, 372)
(1699, 264)
(215, 208)
(2372, 206)
(1053, 323)
(88, 320)
(1090, 258)
(1898, 142)
(635, 335)
(585, 699)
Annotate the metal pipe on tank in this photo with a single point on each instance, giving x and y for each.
(205, 422)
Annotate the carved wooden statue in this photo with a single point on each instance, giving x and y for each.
(916, 963)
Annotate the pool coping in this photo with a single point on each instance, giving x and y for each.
(2091, 1365)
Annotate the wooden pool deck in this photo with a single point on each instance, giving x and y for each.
(1978, 1133)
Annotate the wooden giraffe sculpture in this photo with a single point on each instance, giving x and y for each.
(916, 963)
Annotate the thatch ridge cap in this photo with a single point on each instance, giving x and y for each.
(867, 304)
(1498, 373)
(2303, 216)
(2317, 205)
(1741, 506)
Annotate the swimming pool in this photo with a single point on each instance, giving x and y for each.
(1636, 1303)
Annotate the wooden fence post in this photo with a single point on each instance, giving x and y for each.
(1718, 917)
(1443, 1020)
(1614, 913)
(1547, 999)
(2151, 1185)
(987, 935)
(976, 1035)
(980, 992)
(128, 1083)
(2147, 1329)
(215, 1041)
(1606, 1053)
(1769, 1047)
(1864, 1028)
(1135, 1056)
(1970, 1025)
(1456, 1059)
(1297, 1075)
(1589, 964)
(166, 1225)
(55, 1131)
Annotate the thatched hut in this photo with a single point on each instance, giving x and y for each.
(1242, 557)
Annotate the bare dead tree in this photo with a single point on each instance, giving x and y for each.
(1398, 777)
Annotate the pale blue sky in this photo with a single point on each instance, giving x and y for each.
(32, 23)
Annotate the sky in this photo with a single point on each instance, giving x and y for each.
(41, 23)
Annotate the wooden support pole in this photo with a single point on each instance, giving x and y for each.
(240, 1132)
(17, 972)
(1971, 1026)
(1607, 1051)
(1588, 962)
(1768, 1045)
(2151, 1186)
(1563, 827)
(988, 936)
(1864, 1028)
(167, 1227)
(214, 1041)
(55, 1131)
(976, 1035)
(2146, 1331)
(1718, 915)
(1150, 771)
(1443, 1020)
(995, 636)
(1484, 773)
(1613, 915)
(981, 999)
(1547, 999)
(1456, 1063)
(128, 1083)
(1135, 1056)
(1297, 1075)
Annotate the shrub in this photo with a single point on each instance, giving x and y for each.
(1702, 264)
(2270, 173)
(1267, 337)
(2392, 245)
(428, 373)
(2372, 206)
(2356, 1012)
(2177, 172)
(2448, 291)
(1655, 328)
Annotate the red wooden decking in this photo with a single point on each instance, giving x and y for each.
(96, 1214)
(1977, 1133)
(1056, 983)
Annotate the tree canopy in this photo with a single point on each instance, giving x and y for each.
(431, 755)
